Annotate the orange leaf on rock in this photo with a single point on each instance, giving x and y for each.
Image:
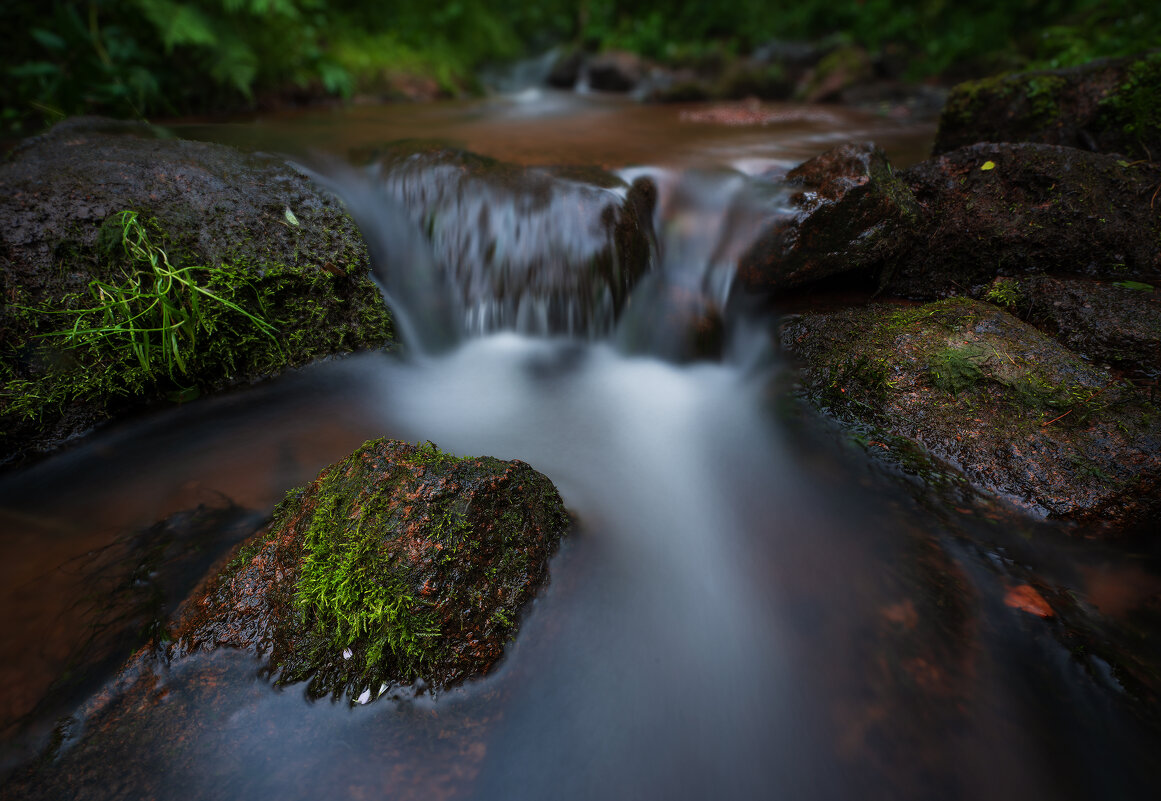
(1026, 599)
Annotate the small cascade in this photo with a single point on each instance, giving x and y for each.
(467, 246)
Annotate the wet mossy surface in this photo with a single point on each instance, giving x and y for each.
(1116, 323)
(219, 213)
(398, 563)
(1013, 411)
(1109, 106)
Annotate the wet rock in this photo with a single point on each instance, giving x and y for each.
(1016, 209)
(1019, 415)
(566, 69)
(1117, 323)
(852, 213)
(539, 249)
(1108, 106)
(841, 69)
(249, 228)
(615, 71)
(397, 564)
(952, 223)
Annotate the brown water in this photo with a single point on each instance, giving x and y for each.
(547, 127)
(749, 607)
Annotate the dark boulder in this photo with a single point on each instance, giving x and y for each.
(1116, 323)
(615, 71)
(539, 249)
(566, 69)
(1012, 410)
(1109, 106)
(952, 223)
(1016, 209)
(850, 213)
(247, 229)
(397, 563)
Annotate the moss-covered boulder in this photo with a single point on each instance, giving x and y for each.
(1018, 414)
(541, 249)
(1109, 106)
(850, 213)
(397, 563)
(137, 268)
(1116, 323)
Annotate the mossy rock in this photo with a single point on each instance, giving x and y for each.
(1013, 411)
(1108, 106)
(570, 242)
(398, 563)
(1113, 322)
(249, 229)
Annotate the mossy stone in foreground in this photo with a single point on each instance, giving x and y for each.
(1018, 414)
(246, 228)
(397, 563)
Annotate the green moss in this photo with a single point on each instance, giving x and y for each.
(354, 589)
(243, 318)
(955, 369)
(1134, 105)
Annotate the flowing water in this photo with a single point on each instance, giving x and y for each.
(747, 608)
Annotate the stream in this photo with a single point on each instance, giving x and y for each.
(747, 607)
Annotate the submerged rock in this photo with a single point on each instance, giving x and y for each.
(397, 564)
(1109, 106)
(538, 249)
(1019, 415)
(246, 229)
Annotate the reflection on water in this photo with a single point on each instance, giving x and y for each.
(745, 610)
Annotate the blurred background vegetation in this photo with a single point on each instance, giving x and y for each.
(151, 58)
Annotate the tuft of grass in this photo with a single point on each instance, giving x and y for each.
(154, 313)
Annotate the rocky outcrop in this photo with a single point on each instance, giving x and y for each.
(851, 213)
(1012, 410)
(1109, 106)
(261, 271)
(398, 563)
(540, 249)
(1115, 323)
(615, 71)
(1028, 208)
(951, 224)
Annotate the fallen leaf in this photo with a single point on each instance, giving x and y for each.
(1026, 599)
(988, 165)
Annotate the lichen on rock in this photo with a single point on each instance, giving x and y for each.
(398, 563)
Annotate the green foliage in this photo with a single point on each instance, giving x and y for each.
(148, 57)
(1004, 292)
(152, 325)
(155, 313)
